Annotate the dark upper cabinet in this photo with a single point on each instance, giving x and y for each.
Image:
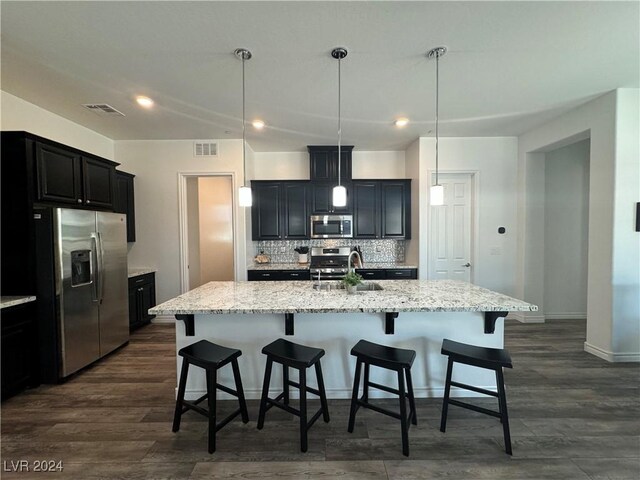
(99, 182)
(124, 202)
(295, 210)
(58, 174)
(323, 166)
(280, 210)
(395, 208)
(67, 176)
(266, 210)
(366, 209)
(322, 198)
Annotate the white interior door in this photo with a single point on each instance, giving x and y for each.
(451, 230)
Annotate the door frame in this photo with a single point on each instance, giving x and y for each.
(183, 224)
(475, 219)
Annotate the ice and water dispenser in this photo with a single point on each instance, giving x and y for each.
(80, 267)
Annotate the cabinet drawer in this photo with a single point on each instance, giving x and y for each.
(141, 280)
(295, 275)
(372, 274)
(402, 273)
(263, 275)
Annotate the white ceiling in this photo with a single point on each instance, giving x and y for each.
(510, 66)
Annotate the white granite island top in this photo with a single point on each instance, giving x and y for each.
(300, 297)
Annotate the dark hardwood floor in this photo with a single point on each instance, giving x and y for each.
(573, 416)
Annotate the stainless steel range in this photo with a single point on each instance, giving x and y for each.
(330, 262)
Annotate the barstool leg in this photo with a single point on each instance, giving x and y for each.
(303, 409)
(412, 399)
(285, 384)
(265, 393)
(211, 397)
(240, 390)
(403, 414)
(502, 399)
(323, 394)
(181, 388)
(354, 397)
(445, 400)
(365, 387)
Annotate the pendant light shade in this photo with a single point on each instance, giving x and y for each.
(339, 191)
(244, 197)
(339, 196)
(244, 193)
(436, 196)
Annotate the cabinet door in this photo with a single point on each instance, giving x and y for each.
(265, 211)
(322, 198)
(263, 275)
(295, 275)
(124, 202)
(99, 182)
(147, 300)
(372, 273)
(58, 175)
(395, 199)
(296, 210)
(345, 165)
(365, 209)
(134, 319)
(16, 355)
(321, 165)
(402, 273)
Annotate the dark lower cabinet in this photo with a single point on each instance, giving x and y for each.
(124, 202)
(19, 349)
(272, 275)
(142, 297)
(388, 273)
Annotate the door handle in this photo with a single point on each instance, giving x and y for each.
(94, 266)
(467, 265)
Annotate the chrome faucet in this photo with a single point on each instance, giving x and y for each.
(319, 281)
(349, 267)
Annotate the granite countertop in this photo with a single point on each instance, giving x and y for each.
(12, 301)
(137, 271)
(300, 297)
(305, 266)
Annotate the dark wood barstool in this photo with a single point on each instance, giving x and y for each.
(300, 357)
(397, 359)
(492, 358)
(211, 357)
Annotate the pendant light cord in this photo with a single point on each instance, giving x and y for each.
(244, 156)
(339, 121)
(437, 106)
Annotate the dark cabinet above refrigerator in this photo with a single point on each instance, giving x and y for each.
(323, 166)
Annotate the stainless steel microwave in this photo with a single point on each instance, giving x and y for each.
(331, 226)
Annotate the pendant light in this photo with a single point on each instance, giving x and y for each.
(436, 196)
(339, 191)
(244, 193)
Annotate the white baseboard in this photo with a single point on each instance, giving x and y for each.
(566, 316)
(255, 394)
(522, 318)
(611, 356)
(164, 319)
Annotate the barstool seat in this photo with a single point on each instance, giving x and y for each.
(211, 357)
(300, 357)
(490, 358)
(398, 359)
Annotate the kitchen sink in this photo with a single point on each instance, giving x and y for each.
(363, 287)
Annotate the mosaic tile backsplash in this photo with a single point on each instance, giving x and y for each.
(281, 251)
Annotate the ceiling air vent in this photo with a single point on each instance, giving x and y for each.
(205, 148)
(103, 109)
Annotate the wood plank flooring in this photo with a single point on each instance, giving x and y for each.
(573, 416)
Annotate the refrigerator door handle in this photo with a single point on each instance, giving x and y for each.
(100, 267)
(94, 267)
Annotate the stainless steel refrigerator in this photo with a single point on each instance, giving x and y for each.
(91, 292)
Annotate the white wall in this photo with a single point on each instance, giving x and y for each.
(19, 115)
(493, 160)
(566, 231)
(295, 165)
(613, 306)
(156, 165)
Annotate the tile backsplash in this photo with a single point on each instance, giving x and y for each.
(374, 251)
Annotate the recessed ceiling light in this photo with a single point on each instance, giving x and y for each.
(143, 101)
(401, 122)
(258, 124)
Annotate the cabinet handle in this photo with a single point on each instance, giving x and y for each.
(141, 289)
(88, 202)
(266, 274)
(295, 274)
(79, 200)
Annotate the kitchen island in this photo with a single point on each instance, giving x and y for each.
(415, 314)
